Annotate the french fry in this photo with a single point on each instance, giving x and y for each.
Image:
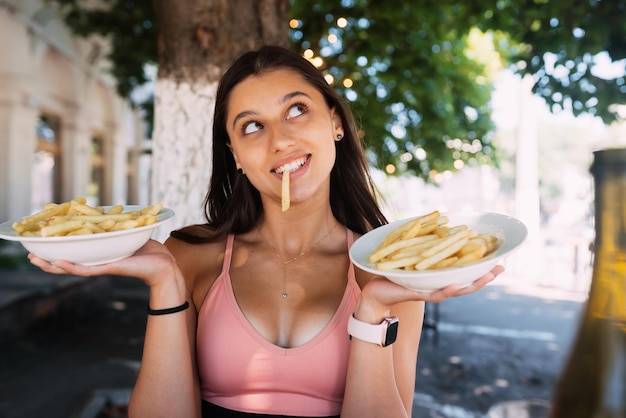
(61, 229)
(416, 226)
(453, 230)
(473, 245)
(95, 229)
(47, 206)
(385, 251)
(445, 242)
(126, 224)
(116, 209)
(150, 219)
(399, 263)
(87, 210)
(469, 258)
(31, 234)
(413, 231)
(445, 263)
(433, 224)
(75, 217)
(107, 224)
(396, 233)
(429, 217)
(40, 216)
(54, 220)
(441, 231)
(444, 253)
(25, 229)
(152, 210)
(81, 231)
(101, 218)
(285, 197)
(428, 242)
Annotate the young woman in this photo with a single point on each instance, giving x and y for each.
(250, 311)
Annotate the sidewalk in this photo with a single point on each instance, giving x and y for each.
(69, 347)
(502, 345)
(28, 297)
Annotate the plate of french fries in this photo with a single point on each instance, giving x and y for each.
(82, 234)
(434, 250)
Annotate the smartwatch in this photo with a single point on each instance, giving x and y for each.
(383, 334)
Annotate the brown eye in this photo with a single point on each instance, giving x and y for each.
(296, 110)
(251, 127)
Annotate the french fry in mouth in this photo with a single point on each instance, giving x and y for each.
(286, 199)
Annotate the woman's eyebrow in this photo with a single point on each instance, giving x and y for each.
(282, 100)
(291, 95)
(242, 115)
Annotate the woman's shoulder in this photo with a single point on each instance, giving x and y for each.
(195, 234)
(199, 255)
(186, 243)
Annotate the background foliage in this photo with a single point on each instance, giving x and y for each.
(418, 73)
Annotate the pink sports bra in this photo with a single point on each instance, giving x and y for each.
(240, 370)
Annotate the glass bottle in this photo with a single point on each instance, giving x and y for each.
(593, 381)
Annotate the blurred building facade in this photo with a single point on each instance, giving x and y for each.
(64, 132)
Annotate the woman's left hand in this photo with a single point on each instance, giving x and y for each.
(380, 294)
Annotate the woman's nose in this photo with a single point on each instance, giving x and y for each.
(281, 139)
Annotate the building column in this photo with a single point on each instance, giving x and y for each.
(76, 142)
(18, 123)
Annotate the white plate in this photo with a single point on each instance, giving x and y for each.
(93, 249)
(509, 231)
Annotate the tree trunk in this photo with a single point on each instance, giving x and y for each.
(197, 41)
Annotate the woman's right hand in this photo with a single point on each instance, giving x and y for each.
(380, 294)
(152, 263)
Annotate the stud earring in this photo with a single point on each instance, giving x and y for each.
(240, 170)
(339, 137)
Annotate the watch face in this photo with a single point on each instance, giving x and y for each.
(392, 332)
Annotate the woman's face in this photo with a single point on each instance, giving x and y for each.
(278, 122)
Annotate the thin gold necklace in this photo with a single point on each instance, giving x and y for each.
(291, 260)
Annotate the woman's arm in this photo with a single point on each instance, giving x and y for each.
(381, 380)
(167, 385)
(405, 350)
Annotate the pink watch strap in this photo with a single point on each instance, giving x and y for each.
(367, 332)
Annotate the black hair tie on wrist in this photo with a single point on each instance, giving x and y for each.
(168, 310)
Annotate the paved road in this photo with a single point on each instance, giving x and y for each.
(502, 344)
(53, 371)
(498, 345)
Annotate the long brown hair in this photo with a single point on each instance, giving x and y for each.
(233, 205)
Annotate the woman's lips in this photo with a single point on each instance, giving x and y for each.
(292, 166)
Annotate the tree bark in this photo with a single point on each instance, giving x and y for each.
(197, 41)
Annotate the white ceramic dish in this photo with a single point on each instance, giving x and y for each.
(93, 249)
(509, 231)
